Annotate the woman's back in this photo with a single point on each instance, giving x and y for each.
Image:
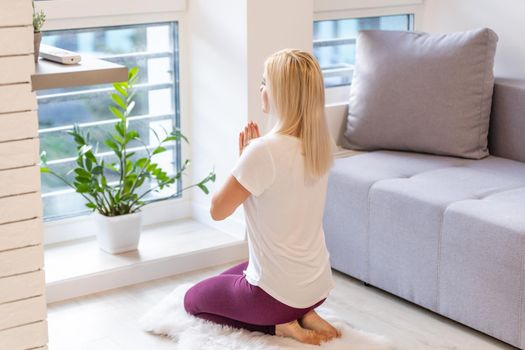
(288, 255)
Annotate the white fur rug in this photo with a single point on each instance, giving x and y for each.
(170, 318)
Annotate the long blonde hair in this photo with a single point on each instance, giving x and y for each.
(296, 91)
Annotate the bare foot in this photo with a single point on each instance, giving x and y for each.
(294, 330)
(316, 323)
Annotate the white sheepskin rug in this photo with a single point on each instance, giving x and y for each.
(170, 318)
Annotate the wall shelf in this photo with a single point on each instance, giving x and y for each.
(90, 71)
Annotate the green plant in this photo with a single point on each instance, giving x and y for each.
(39, 18)
(91, 172)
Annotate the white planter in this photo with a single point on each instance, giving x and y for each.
(118, 234)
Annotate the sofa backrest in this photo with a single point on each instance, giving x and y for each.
(507, 120)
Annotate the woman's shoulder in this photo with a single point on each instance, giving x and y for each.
(273, 145)
(280, 140)
(258, 144)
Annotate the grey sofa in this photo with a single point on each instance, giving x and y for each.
(445, 233)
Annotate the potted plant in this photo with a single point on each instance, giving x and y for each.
(117, 203)
(39, 18)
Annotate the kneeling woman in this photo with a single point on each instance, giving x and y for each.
(281, 179)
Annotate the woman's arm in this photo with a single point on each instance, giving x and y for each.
(232, 193)
(229, 197)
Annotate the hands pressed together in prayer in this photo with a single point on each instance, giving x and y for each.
(250, 132)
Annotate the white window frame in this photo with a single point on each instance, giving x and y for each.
(75, 14)
(334, 6)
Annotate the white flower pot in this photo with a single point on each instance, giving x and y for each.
(118, 234)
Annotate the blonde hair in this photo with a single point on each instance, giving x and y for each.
(296, 90)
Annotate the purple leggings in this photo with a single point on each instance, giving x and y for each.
(230, 300)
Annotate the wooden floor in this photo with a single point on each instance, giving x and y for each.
(108, 321)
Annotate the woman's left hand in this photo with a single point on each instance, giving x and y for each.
(251, 131)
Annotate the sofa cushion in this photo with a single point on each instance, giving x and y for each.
(346, 209)
(482, 264)
(406, 221)
(422, 92)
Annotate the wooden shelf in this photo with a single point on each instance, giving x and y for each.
(90, 71)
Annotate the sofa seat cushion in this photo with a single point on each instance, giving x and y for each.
(346, 210)
(445, 233)
(482, 264)
(406, 221)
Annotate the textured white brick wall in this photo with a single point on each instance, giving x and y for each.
(22, 287)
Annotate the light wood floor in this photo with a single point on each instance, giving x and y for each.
(108, 321)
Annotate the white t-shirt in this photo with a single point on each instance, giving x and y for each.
(288, 257)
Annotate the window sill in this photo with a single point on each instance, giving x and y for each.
(337, 95)
(79, 267)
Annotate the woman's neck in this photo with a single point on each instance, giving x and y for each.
(279, 131)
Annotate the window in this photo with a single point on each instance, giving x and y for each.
(334, 43)
(151, 47)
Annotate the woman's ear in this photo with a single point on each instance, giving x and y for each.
(265, 100)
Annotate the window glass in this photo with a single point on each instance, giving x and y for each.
(151, 47)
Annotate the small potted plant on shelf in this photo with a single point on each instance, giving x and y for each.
(39, 18)
(117, 203)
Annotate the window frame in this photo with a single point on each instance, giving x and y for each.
(343, 5)
(76, 14)
(65, 14)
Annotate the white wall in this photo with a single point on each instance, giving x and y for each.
(229, 41)
(274, 25)
(505, 17)
(217, 91)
